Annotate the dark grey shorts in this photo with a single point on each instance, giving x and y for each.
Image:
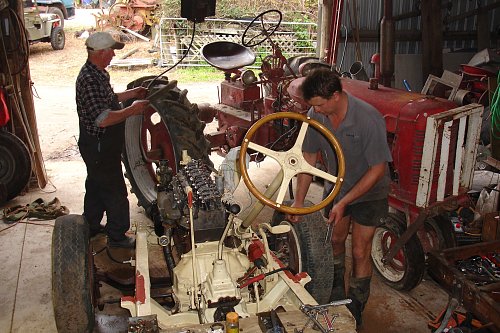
(368, 213)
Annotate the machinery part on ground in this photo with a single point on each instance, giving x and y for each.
(168, 128)
(250, 38)
(310, 255)
(57, 38)
(72, 275)
(407, 269)
(292, 162)
(15, 166)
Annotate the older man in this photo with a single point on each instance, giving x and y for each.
(102, 126)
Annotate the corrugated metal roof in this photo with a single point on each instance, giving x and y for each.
(370, 14)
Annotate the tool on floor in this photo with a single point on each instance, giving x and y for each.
(314, 312)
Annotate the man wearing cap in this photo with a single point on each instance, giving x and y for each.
(102, 126)
(362, 200)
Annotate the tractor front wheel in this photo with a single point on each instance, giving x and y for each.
(407, 268)
(72, 275)
(311, 254)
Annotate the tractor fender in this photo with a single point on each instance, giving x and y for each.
(4, 111)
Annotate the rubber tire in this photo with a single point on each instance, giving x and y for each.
(437, 234)
(58, 12)
(15, 165)
(71, 275)
(57, 38)
(182, 123)
(317, 257)
(411, 256)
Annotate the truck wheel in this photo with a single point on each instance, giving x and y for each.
(15, 166)
(170, 126)
(407, 268)
(72, 278)
(57, 38)
(59, 13)
(316, 257)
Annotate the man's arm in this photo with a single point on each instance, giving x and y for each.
(118, 116)
(303, 182)
(138, 92)
(369, 179)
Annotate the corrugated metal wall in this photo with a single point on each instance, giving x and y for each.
(370, 13)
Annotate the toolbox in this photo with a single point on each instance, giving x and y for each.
(481, 299)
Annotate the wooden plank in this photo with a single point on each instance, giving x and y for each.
(291, 320)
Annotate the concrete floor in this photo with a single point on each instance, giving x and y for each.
(25, 279)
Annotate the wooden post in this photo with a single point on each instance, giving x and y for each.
(22, 87)
(483, 30)
(432, 38)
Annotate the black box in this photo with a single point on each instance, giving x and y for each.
(197, 10)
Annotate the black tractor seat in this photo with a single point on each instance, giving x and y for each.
(227, 56)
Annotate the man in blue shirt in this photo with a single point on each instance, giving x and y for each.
(362, 200)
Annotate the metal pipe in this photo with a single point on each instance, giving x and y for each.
(387, 43)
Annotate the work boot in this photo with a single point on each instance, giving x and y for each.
(127, 242)
(359, 290)
(338, 286)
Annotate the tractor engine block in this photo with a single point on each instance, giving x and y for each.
(209, 214)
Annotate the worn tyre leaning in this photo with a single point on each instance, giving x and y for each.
(57, 38)
(407, 268)
(180, 129)
(71, 275)
(15, 166)
(316, 256)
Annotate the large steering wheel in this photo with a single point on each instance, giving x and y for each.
(292, 163)
(268, 27)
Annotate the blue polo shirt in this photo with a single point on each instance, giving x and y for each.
(362, 136)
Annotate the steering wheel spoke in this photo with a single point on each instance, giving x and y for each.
(266, 21)
(292, 163)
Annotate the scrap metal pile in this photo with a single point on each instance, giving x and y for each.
(136, 15)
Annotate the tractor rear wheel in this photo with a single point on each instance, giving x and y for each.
(316, 257)
(72, 275)
(407, 268)
(15, 166)
(170, 126)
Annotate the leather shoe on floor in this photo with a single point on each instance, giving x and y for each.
(127, 243)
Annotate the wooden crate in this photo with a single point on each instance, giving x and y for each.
(491, 227)
(482, 301)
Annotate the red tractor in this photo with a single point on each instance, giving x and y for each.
(433, 142)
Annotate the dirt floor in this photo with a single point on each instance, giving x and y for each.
(26, 278)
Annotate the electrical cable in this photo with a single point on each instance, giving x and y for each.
(495, 110)
(343, 51)
(21, 48)
(179, 61)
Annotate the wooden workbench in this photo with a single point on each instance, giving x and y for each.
(290, 321)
